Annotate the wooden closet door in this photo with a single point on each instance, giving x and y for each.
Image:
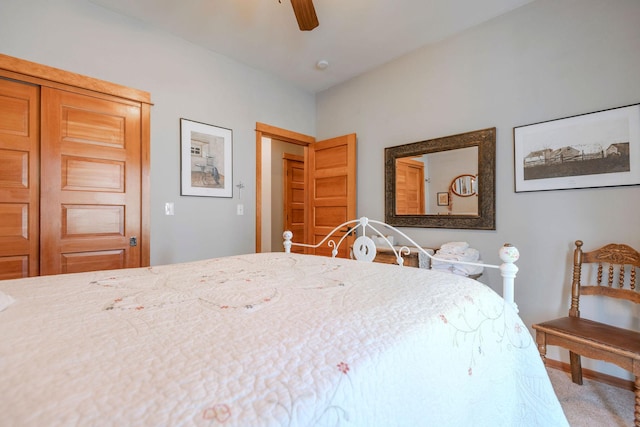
(19, 176)
(91, 183)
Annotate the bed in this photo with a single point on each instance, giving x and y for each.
(269, 339)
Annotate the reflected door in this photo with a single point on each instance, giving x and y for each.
(409, 187)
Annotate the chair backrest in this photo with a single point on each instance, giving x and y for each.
(616, 275)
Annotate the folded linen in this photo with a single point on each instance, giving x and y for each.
(470, 255)
(454, 247)
(442, 260)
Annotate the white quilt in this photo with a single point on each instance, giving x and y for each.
(268, 340)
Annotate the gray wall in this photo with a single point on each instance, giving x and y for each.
(549, 59)
(184, 81)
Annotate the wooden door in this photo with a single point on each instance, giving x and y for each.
(19, 179)
(294, 198)
(91, 183)
(409, 187)
(332, 188)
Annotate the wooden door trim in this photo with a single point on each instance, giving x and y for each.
(284, 135)
(145, 185)
(265, 130)
(40, 74)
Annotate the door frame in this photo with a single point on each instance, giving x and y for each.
(268, 131)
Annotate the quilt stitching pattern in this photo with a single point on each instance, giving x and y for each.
(268, 340)
(473, 322)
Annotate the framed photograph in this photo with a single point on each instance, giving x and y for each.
(443, 199)
(600, 149)
(206, 160)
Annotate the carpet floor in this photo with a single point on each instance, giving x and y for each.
(592, 404)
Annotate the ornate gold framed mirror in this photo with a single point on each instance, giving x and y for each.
(462, 165)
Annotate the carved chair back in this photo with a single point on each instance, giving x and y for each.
(616, 274)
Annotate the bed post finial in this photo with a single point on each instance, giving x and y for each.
(287, 235)
(509, 255)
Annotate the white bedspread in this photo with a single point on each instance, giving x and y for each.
(268, 340)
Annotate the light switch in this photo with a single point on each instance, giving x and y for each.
(168, 208)
(240, 210)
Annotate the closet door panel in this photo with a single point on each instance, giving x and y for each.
(91, 183)
(19, 179)
(91, 261)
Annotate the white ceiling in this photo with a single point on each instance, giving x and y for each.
(354, 36)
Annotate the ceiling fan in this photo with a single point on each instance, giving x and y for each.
(305, 14)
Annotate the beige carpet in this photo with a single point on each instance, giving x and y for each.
(592, 404)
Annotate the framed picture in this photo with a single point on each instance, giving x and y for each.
(443, 199)
(206, 160)
(600, 149)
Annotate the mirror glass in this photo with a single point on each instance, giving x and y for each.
(421, 180)
(442, 183)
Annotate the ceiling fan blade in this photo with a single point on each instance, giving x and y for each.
(305, 14)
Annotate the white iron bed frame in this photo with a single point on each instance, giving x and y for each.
(364, 249)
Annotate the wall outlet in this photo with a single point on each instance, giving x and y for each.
(240, 209)
(168, 208)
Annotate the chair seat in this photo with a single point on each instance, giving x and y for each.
(623, 341)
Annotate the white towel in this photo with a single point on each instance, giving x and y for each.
(470, 255)
(466, 255)
(454, 247)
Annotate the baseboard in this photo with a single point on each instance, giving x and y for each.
(592, 375)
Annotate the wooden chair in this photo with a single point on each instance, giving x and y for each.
(592, 339)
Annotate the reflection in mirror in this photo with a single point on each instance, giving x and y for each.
(420, 178)
(431, 183)
(410, 186)
(464, 185)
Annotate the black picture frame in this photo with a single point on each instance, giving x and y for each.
(599, 149)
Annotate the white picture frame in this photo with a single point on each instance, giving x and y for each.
(206, 162)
